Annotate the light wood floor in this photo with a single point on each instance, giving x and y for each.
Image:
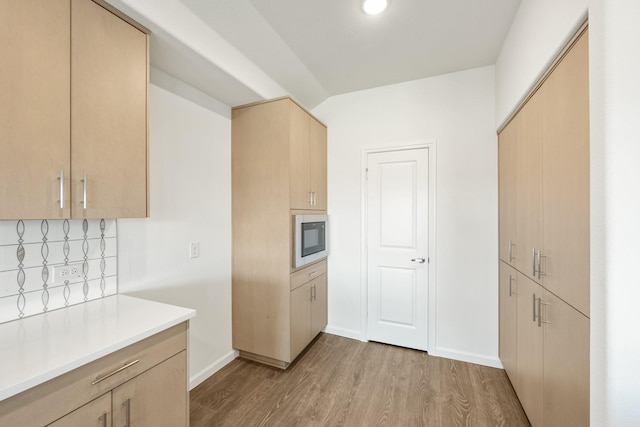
(343, 382)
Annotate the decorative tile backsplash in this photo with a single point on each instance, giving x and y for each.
(32, 250)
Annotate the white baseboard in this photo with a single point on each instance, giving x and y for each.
(198, 378)
(347, 333)
(478, 359)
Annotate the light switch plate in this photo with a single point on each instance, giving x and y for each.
(194, 250)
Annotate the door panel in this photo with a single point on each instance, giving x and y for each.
(109, 110)
(300, 319)
(34, 112)
(566, 179)
(507, 181)
(397, 233)
(529, 185)
(566, 364)
(319, 305)
(508, 320)
(529, 351)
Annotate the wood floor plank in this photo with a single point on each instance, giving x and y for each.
(343, 382)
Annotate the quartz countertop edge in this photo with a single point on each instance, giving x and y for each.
(38, 348)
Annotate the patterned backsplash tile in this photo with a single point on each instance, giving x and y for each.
(31, 251)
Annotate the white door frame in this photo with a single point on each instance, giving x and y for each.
(432, 295)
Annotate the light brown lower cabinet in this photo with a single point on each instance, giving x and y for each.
(551, 356)
(144, 384)
(508, 320)
(308, 312)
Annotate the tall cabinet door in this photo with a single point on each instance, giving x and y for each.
(507, 181)
(529, 186)
(300, 187)
(301, 298)
(34, 112)
(566, 364)
(109, 110)
(318, 164)
(529, 350)
(508, 320)
(565, 268)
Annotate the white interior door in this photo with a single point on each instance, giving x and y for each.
(397, 247)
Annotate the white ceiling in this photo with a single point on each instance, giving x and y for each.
(313, 49)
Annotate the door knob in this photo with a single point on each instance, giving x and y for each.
(419, 260)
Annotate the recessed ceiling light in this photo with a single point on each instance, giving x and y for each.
(374, 7)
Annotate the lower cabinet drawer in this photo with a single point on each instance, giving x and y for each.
(62, 395)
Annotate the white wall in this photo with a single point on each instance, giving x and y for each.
(615, 177)
(190, 161)
(539, 31)
(457, 110)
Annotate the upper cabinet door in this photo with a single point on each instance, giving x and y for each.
(565, 261)
(529, 186)
(318, 164)
(109, 111)
(507, 181)
(300, 187)
(34, 112)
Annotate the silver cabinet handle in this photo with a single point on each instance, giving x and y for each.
(539, 262)
(122, 368)
(418, 260)
(61, 188)
(540, 304)
(533, 261)
(510, 251)
(310, 198)
(534, 307)
(510, 280)
(313, 273)
(127, 411)
(313, 293)
(84, 191)
(103, 419)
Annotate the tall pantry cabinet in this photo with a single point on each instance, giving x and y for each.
(543, 155)
(279, 168)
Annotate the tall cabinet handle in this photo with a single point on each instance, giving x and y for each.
(533, 261)
(127, 411)
(61, 188)
(534, 307)
(84, 191)
(510, 280)
(510, 251)
(539, 264)
(103, 419)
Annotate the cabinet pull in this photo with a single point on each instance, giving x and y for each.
(313, 293)
(539, 264)
(103, 419)
(61, 179)
(313, 197)
(84, 191)
(310, 198)
(540, 304)
(533, 261)
(510, 280)
(510, 251)
(122, 368)
(313, 273)
(127, 411)
(534, 307)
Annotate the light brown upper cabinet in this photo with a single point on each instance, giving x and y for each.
(109, 114)
(75, 79)
(564, 257)
(34, 112)
(308, 155)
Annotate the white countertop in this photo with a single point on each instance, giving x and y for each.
(38, 348)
